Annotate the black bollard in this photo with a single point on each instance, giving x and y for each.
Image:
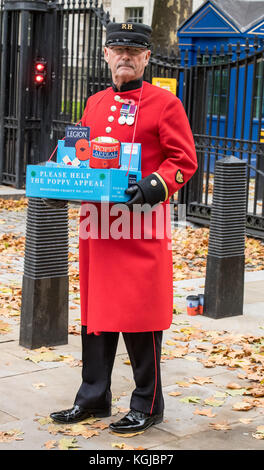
(45, 287)
(224, 284)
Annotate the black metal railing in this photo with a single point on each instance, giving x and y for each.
(227, 116)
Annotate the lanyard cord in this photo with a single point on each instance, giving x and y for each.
(135, 128)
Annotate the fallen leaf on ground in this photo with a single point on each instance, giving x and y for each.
(213, 402)
(56, 428)
(73, 329)
(45, 356)
(182, 384)
(234, 386)
(122, 445)
(241, 376)
(44, 420)
(220, 395)
(39, 385)
(66, 444)
(259, 433)
(4, 328)
(256, 391)
(222, 426)
(235, 392)
(123, 410)
(201, 380)
(191, 358)
(190, 399)
(208, 363)
(174, 394)
(205, 412)
(11, 435)
(50, 444)
(242, 406)
(99, 426)
(90, 420)
(80, 430)
(246, 420)
(180, 351)
(132, 434)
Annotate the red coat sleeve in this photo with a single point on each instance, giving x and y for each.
(177, 143)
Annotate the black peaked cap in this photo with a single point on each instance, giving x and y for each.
(128, 34)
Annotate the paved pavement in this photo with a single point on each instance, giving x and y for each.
(9, 192)
(30, 390)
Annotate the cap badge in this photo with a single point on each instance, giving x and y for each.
(127, 26)
(179, 177)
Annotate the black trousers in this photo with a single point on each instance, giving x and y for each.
(98, 354)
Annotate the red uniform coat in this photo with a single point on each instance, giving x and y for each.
(126, 284)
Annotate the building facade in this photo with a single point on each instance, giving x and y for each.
(135, 10)
(219, 22)
(139, 11)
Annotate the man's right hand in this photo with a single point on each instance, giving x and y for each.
(55, 203)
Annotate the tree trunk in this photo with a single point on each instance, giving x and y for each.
(168, 15)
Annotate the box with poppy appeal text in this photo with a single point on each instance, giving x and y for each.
(87, 172)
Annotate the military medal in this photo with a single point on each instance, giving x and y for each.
(122, 120)
(127, 114)
(131, 115)
(123, 113)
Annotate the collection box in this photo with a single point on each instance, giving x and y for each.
(72, 179)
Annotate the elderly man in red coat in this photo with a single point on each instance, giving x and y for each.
(126, 284)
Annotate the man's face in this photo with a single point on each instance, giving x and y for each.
(126, 63)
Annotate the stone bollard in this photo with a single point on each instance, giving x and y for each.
(45, 288)
(224, 284)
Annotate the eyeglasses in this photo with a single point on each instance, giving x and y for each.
(129, 50)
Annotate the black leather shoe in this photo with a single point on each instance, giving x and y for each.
(135, 421)
(77, 413)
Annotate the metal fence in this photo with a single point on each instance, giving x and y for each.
(227, 115)
(222, 95)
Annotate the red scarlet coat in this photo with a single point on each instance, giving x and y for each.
(126, 284)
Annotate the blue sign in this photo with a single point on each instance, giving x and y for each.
(74, 133)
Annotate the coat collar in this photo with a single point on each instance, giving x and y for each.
(133, 85)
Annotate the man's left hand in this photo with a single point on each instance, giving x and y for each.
(137, 196)
(150, 190)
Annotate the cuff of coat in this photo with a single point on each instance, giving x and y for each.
(153, 188)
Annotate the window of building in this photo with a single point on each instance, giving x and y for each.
(259, 92)
(217, 92)
(135, 15)
(217, 86)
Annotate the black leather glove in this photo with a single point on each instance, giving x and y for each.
(150, 190)
(136, 194)
(55, 203)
